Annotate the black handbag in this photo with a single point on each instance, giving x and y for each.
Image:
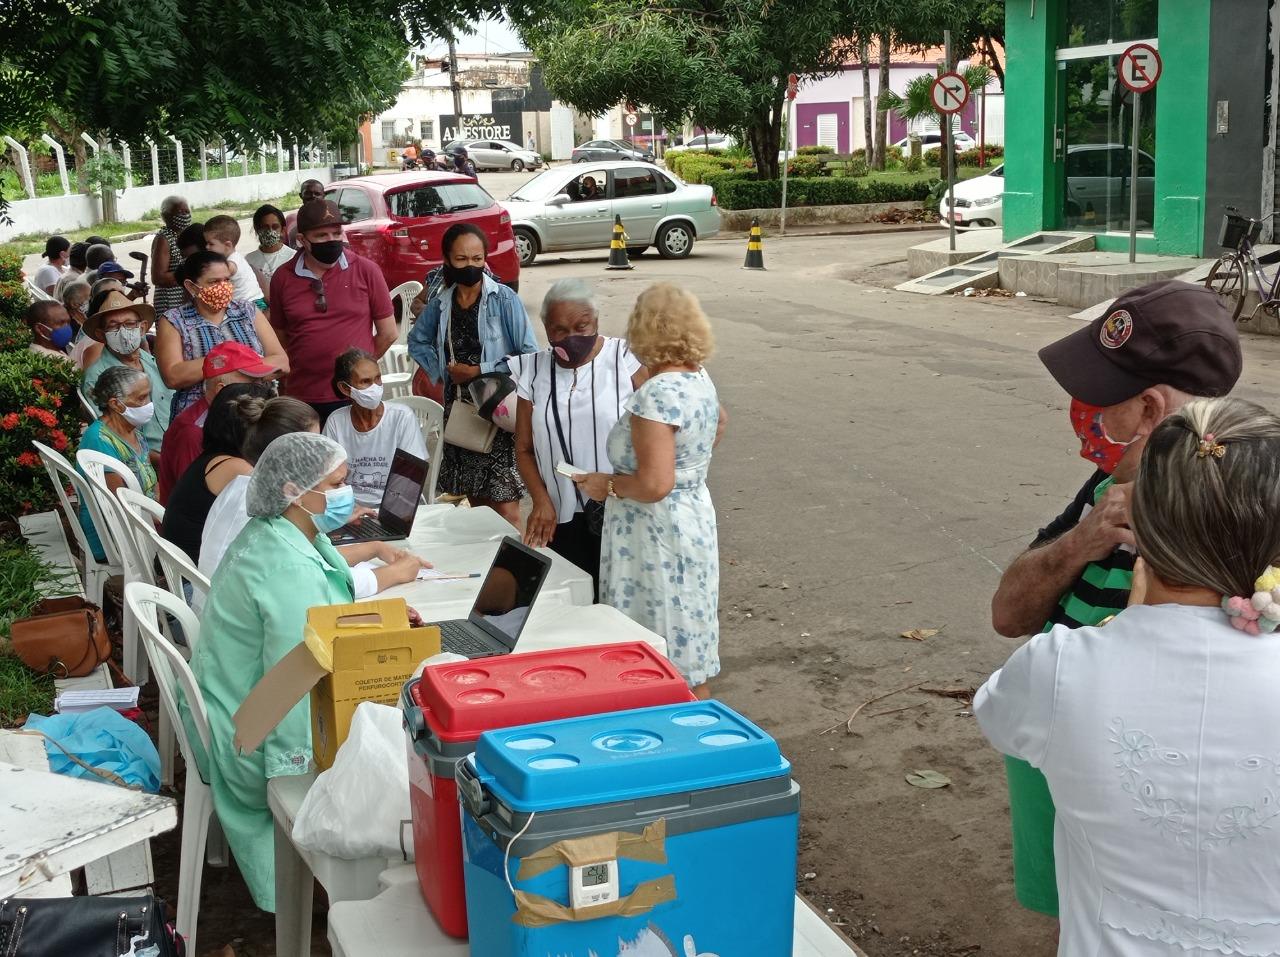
(86, 927)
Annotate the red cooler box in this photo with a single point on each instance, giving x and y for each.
(450, 706)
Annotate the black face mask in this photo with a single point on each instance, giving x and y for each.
(466, 276)
(572, 351)
(327, 252)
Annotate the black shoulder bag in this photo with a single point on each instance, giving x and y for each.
(86, 927)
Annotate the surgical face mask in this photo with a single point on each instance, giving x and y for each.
(269, 237)
(61, 336)
(1096, 445)
(140, 415)
(179, 222)
(124, 342)
(464, 276)
(369, 398)
(573, 350)
(339, 505)
(327, 252)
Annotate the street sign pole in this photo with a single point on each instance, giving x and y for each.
(1133, 178)
(950, 158)
(792, 82)
(1139, 68)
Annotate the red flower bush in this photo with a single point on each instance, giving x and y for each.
(24, 484)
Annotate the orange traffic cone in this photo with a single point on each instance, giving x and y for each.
(618, 247)
(755, 248)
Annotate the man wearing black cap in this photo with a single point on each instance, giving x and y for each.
(57, 250)
(325, 302)
(1155, 349)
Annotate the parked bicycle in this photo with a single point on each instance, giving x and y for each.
(1231, 274)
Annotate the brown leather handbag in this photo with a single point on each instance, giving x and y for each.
(64, 637)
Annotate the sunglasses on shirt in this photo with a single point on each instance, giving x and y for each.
(318, 288)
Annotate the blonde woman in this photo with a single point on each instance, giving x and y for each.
(659, 560)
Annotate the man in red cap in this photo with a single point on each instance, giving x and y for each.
(328, 301)
(226, 363)
(1157, 348)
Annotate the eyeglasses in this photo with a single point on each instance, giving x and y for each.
(124, 325)
(318, 288)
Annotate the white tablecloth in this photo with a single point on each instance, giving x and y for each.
(464, 541)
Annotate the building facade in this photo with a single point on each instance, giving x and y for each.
(830, 111)
(1206, 134)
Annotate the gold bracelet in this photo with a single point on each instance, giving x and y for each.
(612, 492)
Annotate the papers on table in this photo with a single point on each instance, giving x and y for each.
(75, 702)
(436, 575)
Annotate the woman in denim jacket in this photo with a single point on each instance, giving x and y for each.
(485, 322)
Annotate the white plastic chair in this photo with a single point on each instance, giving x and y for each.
(62, 473)
(87, 404)
(39, 295)
(177, 567)
(134, 566)
(406, 292)
(430, 416)
(172, 672)
(397, 372)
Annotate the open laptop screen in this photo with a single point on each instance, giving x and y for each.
(509, 589)
(404, 488)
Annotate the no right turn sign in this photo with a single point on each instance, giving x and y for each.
(949, 93)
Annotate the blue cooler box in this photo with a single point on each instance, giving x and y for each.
(656, 832)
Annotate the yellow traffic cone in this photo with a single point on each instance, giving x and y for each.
(618, 247)
(755, 248)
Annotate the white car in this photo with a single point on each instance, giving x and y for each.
(501, 154)
(711, 141)
(932, 140)
(979, 202)
(572, 207)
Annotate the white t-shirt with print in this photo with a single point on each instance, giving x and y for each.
(369, 454)
(591, 399)
(268, 263)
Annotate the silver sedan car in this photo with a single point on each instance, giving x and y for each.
(572, 207)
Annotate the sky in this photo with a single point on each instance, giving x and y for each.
(491, 36)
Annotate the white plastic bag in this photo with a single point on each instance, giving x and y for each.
(355, 808)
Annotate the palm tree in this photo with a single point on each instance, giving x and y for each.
(917, 104)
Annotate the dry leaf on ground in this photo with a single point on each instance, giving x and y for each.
(927, 779)
(920, 634)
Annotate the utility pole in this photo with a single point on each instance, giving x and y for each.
(453, 81)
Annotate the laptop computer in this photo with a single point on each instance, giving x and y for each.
(399, 505)
(500, 611)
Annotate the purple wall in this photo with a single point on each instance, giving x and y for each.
(807, 123)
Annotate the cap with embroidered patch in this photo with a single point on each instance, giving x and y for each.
(1167, 333)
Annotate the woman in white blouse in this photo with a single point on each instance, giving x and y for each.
(1159, 732)
(570, 395)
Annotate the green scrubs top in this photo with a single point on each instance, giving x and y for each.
(254, 616)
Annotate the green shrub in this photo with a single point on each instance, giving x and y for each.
(933, 157)
(804, 166)
(14, 299)
(814, 151)
(914, 164)
(970, 157)
(37, 396)
(734, 191)
(693, 166)
(857, 167)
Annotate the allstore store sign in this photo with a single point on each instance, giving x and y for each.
(482, 126)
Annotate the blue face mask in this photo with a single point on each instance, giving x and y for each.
(61, 336)
(339, 505)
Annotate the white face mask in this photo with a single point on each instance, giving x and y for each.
(140, 416)
(369, 398)
(124, 342)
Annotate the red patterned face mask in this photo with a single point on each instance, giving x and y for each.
(216, 295)
(1095, 445)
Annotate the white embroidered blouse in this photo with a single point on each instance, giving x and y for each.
(1159, 734)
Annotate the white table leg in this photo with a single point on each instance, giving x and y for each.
(294, 887)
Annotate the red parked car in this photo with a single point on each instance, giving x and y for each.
(398, 221)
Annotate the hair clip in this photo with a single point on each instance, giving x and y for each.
(1258, 614)
(1209, 447)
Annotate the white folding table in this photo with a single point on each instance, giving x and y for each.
(51, 824)
(549, 626)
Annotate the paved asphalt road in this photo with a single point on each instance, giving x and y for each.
(887, 454)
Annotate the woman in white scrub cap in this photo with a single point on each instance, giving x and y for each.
(279, 566)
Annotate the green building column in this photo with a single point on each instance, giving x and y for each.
(1030, 96)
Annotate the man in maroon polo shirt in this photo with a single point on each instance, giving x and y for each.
(326, 301)
(227, 363)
